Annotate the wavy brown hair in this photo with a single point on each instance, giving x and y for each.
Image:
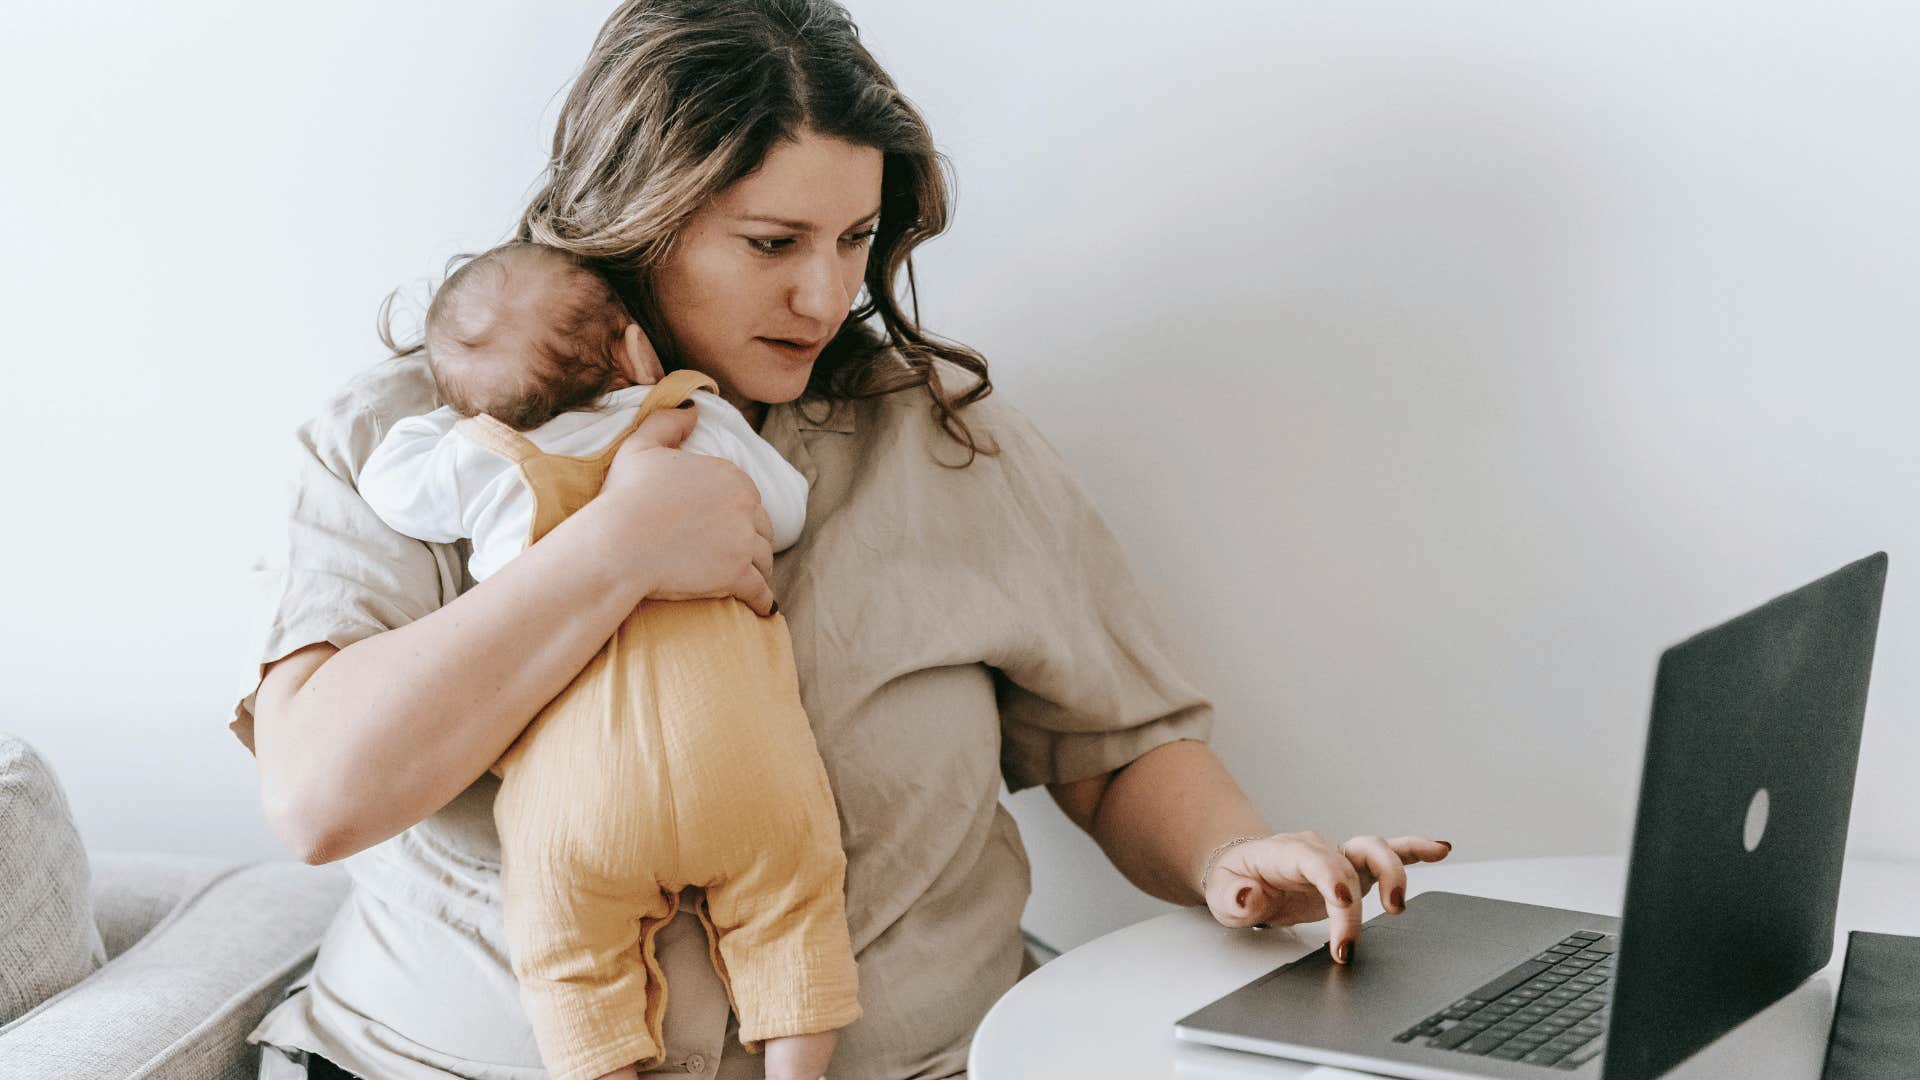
(681, 98)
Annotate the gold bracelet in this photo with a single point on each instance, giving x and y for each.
(1215, 857)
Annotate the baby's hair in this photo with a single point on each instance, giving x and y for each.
(567, 359)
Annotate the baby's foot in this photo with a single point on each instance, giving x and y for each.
(800, 1057)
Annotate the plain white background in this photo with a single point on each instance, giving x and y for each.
(1438, 365)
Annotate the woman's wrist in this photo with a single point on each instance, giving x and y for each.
(613, 550)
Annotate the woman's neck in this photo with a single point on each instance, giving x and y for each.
(754, 411)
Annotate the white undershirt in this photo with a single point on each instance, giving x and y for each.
(429, 481)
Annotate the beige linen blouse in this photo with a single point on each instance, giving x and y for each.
(951, 628)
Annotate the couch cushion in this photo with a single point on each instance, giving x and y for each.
(178, 1004)
(48, 938)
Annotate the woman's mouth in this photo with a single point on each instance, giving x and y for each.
(791, 349)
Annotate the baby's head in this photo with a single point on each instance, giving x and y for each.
(524, 332)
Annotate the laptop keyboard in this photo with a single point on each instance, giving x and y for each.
(1551, 1010)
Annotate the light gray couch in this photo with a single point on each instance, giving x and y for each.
(192, 950)
(198, 949)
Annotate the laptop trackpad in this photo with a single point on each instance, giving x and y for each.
(1397, 978)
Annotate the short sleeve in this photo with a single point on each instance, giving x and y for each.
(412, 480)
(1090, 687)
(344, 575)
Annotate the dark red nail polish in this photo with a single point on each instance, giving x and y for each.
(773, 609)
(1399, 898)
(1240, 898)
(1444, 844)
(1341, 894)
(1344, 953)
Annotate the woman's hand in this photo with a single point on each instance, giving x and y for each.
(1300, 877)
(696, 520)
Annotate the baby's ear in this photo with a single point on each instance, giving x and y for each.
(642, 361)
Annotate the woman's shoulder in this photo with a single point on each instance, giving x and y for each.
(353, 420)
(904, 429)
(910, 413)
(397, 387)
(912, 465)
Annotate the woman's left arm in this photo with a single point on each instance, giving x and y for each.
(1160, 816)
(1163, 816)
(1087, 689)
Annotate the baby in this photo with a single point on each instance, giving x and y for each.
(680, 755)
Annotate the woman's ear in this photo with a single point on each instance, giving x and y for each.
(643, 364)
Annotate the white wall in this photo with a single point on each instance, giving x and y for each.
(1438, 364)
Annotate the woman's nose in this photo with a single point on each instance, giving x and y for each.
(820, 293)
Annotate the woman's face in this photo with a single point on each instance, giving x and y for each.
(778, 256)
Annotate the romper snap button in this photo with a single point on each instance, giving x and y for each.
(696, 1063)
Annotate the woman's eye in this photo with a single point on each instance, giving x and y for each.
(774, 245)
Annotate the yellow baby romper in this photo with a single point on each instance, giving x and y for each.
(680, 755)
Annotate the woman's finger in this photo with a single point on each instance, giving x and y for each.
(762, 523)
(662, 427)
(755, 592)
(763, 566)
(1377, 859)
(1333, 875)
(1233, 896)
(1252, 883)
(1416, 849)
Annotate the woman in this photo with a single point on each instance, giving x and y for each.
(960, 614)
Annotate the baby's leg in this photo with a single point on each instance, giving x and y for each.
(590, 981)
(780, 936)
(581, 912)
(800, 1057)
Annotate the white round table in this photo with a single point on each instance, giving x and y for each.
(1107, 1008)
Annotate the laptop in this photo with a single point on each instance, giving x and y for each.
(1731, 892)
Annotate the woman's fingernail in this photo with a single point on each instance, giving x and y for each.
(773, 609)
(1262, 926)
(1444, 844)
(1344, 953)
(1240, 898)
(1341, 894)
(1400, 898)
(687, 404)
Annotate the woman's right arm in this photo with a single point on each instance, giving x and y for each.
(356, 745)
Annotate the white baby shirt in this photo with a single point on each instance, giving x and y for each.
(429, 481)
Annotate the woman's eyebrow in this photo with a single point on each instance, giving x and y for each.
(801, 226)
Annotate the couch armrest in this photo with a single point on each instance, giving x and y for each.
(134, 890)
(178, 1004)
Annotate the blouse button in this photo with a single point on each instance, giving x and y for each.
(697, 1063)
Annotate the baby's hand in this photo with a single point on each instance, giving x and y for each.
(643, 364)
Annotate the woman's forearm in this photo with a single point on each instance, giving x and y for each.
(1161, 815)
(388, 730)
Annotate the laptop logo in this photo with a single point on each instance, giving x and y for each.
(1756, 819)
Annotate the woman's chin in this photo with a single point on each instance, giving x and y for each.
(776, 388)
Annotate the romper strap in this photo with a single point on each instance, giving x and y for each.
(495, 435)
(668, 393)
(677, 387)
